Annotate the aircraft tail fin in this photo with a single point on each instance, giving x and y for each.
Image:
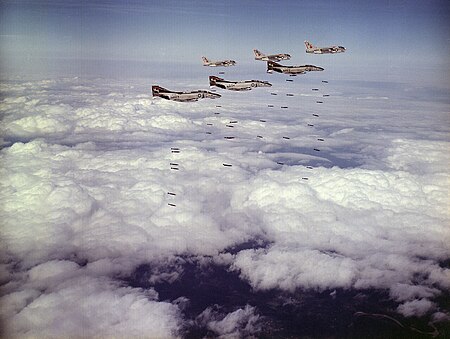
(213, 79)
(205, 60)
(156, 89)
(271, 65)
(258, 54)
(309, 45)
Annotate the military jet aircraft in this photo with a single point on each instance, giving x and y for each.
(224, 63)
(273, 57)
(323, 50)
(158, 91)
(292, 70)
(245, 85)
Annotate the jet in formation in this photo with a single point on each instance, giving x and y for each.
(224, 63)
(310, 48)
(292, 70)
(158, 91)
(244, 85)
(273, 57)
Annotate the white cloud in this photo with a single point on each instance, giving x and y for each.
(51, 121)
(238, 324)
(348, 228)
(84, 202)
(417, 307)
(409, 292)
(93, 307)
(289, 269)
(420, 156)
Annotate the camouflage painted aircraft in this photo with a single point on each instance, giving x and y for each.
(158, 91)
(310, 48)
(224, 63)
(272, 57)
(292, 70)
(245, 85)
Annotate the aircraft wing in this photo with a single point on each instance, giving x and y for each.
(224, 63)
(164, 96)
(283, 56)
(181, 99)
(239, 89)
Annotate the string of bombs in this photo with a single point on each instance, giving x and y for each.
(174, 164)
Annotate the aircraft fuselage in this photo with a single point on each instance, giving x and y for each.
(226, 63)
(277, 57)
(245, 85)
(273, 57)
(291, 69)
(183, 96)
(310, 48)
(326, 50)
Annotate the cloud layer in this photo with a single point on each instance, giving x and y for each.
(98, 178)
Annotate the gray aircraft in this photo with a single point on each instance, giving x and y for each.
(272, 57)
(310, 48)
(292, 70)
(245, 85)
(224, 63)
(158, 91)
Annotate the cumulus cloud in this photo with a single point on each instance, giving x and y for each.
(416, 307)
(86, 172)
(349, 229)
(91, 307)
(238, 324)
(303, 268)
(419, 156)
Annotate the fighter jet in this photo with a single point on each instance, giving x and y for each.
(273, 57)
(224, 63)
(323, 50)
(158, 91)
(292, 70)
(245, 85)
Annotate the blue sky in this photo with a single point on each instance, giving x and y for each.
(392, 31)
(386, 40)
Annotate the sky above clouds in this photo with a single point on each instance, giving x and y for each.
(336, 212)
(389, 33)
